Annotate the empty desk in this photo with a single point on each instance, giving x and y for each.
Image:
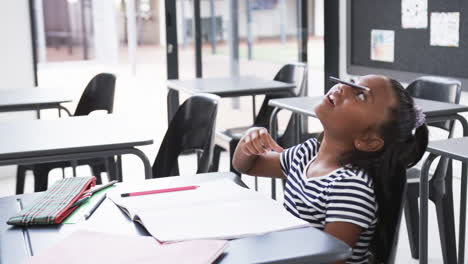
(33, 99)
(223, 87)
(434, 110)
(456, 149)
(74, 138)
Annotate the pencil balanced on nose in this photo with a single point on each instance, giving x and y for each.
(258, 141)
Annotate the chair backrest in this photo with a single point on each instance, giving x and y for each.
(98, 95)
(295, 73)
(437, 89)
(191, 129)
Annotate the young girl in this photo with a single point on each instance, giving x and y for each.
(351, 183)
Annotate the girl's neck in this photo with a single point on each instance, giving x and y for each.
(330, 150)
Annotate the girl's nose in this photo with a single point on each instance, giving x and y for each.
(345, 89)
(336, 88)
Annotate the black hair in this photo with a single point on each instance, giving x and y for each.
(404, 146)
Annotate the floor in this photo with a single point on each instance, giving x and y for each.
(143, 96)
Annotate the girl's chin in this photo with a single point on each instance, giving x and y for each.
(321, 110)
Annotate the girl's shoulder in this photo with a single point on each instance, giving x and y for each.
(309, 146)
(302, 152)
(352, 176)
(312, 141)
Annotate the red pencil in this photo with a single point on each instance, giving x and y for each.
(176, 189)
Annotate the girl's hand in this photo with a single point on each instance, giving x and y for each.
(257, 141)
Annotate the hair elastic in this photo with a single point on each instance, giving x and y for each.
(420, 118)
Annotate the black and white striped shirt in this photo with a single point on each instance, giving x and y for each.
(344, 195)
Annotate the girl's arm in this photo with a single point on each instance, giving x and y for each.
(346, 232)
(258, 154)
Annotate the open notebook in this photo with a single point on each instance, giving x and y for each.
(215, 210)
(96, 247)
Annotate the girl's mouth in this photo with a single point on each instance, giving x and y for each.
(331, 99)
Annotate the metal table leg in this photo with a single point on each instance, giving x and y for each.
(461, 246)
(82, 156)
(146, 163)
(423, 217)
(61, 107)
(461, 239)
(463, 198)
(274, 134)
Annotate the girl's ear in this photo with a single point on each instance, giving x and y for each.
(369, 143)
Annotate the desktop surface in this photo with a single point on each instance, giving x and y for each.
(304, 245)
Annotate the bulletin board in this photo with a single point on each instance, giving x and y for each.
(413, 54)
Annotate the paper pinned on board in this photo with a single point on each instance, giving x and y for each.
(382, 45)
(414, 14)
(445, 29)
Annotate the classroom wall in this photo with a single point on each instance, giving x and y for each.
(343, 48)
(343, 54)
(16, 63)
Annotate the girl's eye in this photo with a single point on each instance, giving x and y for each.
(361, 96)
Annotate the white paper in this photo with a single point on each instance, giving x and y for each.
(215, 210)
(445, 29)
(222, 220)
(414, 13)
(382, 45)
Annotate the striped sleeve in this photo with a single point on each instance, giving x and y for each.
(286, 158)
(296, 153)
(351, 200)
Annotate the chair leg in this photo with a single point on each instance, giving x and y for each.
(20, 176)
(74, 164)
(96, 170)
(232, 148)
(412, 218)
(111, 169)
(216, 157)
(119, 169)
(445, 220)
(41, 179)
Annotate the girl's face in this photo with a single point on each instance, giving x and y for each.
(348, 112)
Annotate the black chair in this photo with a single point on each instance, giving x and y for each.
(191, 130)
(229, 138)
(389, 257)
(98, 95)
(440, 183)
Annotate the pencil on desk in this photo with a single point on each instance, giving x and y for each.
(91, 211)
(176, 189)
(101, 187)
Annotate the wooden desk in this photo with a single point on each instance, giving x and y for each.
(304, 245)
